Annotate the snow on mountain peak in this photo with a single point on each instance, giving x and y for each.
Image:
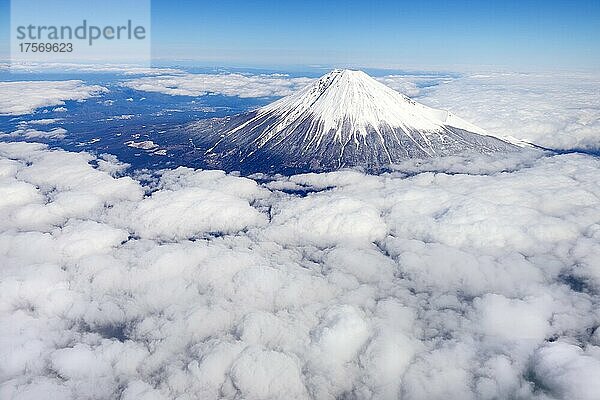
(351, 97)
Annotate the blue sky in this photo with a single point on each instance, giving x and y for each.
(385, 33)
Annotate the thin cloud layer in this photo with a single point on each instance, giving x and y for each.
(24, 97)
(417, 284)
(45, 67)
(31, 133)
(225, 84)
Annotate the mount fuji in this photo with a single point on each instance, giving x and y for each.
(343, 119)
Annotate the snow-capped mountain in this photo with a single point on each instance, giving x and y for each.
(345, 118)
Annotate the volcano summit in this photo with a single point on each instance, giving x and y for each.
(343, 119)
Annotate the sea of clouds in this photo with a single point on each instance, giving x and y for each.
(477, 283)
(474, 277)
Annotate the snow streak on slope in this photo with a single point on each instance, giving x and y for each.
(345, 118)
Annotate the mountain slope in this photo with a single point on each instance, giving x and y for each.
(345, 118)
